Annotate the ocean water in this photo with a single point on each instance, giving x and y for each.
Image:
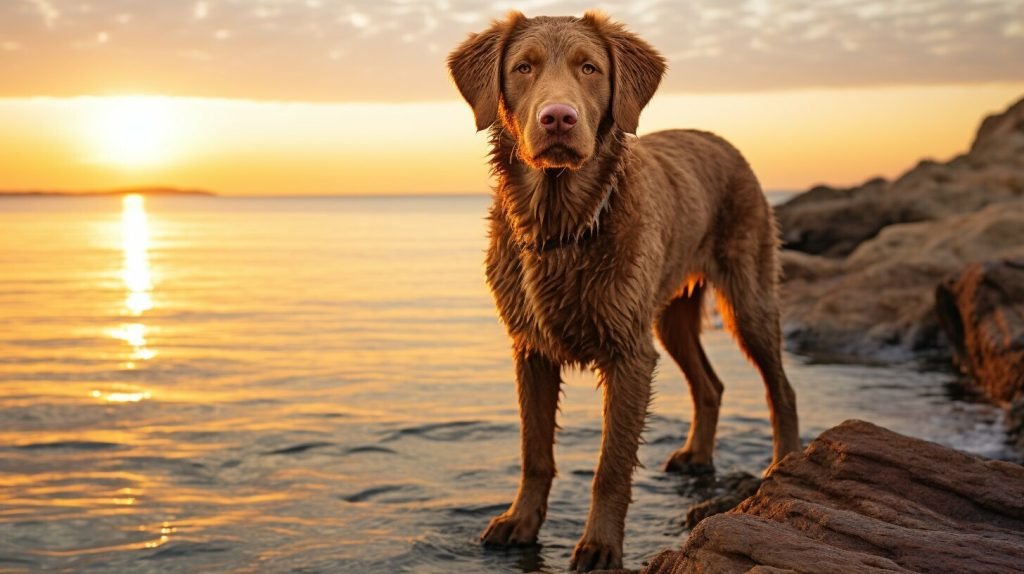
(322, 385)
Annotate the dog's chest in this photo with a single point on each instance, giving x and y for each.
(567, 297)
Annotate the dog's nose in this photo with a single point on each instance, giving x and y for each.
(557, 118)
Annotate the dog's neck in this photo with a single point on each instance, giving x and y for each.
(549, 208)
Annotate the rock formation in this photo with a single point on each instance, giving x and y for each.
(833, 222)
(982, 312)
(863, 263)
(878, 303)
(861, 498)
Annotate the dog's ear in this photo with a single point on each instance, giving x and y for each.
(637, 69)
(476, 68)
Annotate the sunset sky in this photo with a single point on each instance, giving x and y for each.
(322, 97)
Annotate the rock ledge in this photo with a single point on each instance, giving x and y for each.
(861, 498)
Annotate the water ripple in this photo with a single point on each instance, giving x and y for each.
(451, 431)
(299, 448)
(370, 449)
(181, 549)
(377, 492)
(72, 445)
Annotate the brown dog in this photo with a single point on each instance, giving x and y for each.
(594, 236)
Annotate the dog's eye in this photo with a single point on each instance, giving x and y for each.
(524, 68)
(589, 69)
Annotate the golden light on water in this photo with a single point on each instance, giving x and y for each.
(133, 131)
(157, 543)
(132, 333)
(138, 282)
(135, 243)
(121, 396)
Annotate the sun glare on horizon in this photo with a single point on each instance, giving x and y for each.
(133, 131)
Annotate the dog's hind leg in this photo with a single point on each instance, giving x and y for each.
(748, 301)
(538, 381)
(678, 328)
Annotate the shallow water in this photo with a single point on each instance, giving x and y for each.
(321, 385)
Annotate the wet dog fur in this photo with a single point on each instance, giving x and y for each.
(596, 236)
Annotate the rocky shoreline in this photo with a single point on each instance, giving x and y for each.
(926, 267)
(861, 498)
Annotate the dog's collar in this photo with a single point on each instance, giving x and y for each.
(543, 245)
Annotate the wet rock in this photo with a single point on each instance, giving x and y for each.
(981, 309)
(834, 222)
(1015, 426)
(729, 491)
(878, 304)
(861, 498)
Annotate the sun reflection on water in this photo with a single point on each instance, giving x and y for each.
(138, 282)
(121, 396)
(135, 242)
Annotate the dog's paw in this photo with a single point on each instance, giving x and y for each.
(512, 530)
(685, 462)
(593, 555)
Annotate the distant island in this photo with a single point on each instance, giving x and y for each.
(121, 191)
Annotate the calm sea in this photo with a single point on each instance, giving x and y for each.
(322, 385)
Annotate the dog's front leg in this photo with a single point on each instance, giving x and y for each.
(538, 381)
(627, 392)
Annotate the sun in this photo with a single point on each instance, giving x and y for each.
(133, 131)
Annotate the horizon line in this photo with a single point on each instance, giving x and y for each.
(214, 195)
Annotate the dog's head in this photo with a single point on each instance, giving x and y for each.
(554, 82)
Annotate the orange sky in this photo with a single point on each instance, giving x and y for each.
(319, 97)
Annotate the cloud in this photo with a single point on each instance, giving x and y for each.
(353, 50)
(201, 10)
(47, 12)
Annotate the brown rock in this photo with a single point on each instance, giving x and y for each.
(732, 490)
(864, 499)
(834, 222)
(982, 311)
(861, 284)
(996, 129)
(878, 303)
(797, 266)
(810, 222)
